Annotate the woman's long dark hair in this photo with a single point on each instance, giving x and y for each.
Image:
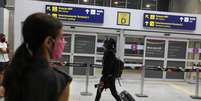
(35, 29)
(110, 44)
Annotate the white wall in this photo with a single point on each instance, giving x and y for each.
(23, 8)
(6, 22)
(11, 32)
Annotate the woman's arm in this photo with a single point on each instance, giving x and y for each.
(4, 50)
(66, 93)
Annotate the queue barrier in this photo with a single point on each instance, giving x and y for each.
(142, 68)
(180, 69)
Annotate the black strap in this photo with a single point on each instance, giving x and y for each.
(119, 82)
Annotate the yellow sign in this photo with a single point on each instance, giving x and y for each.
(152, 23)
(152, 17)
(54, 15)
(54, 8)
(123, 18)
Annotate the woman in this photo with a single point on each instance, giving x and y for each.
(108, 73)
(3, 60)
(3, 55)
(29, 76)
(3, 52)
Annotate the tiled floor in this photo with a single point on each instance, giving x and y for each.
(157, 90)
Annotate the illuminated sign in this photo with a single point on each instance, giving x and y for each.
(169, 21)
(123, 18)
(90, 15)
(55, 0)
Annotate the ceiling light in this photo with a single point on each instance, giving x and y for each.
(85, 0)
(116, 3)
(148, 5)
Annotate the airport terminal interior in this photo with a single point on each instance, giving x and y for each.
(159, 42)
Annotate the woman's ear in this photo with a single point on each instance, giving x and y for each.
(49, 42)
(48, 46)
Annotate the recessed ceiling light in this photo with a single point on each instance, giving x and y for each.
(85, 0)
(148, 5)
(116, 2)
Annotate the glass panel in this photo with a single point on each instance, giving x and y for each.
(149, 5)
(177, 49)
(65, 1)
(99, 60)
(134, 4)
(82, 70)
(100, 41)
(175, 75)
(119, 3)
(129, 72)
(199, 50)
(190, 65)
(190, 76)
(153, 73)
(194, 50)
(98, 71)
(85, 44)
(134, 46)
(163, 5)
(103, 3)
(132, 63)
(155, 48)
(191, 46)
(65, 58)
(70, 1)
(67, 46)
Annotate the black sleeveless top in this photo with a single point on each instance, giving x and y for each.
(41, 83)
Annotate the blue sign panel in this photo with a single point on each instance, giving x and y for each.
(55, 0)
(169, 21)
(90, 15)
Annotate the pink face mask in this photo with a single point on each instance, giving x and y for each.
(58, 48)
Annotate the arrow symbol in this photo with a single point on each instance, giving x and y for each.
(147, 16)
(146, 23)
(48, 8)
(87, 11)
(181, 19)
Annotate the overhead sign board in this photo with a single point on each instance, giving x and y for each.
(76, 14)
(169, 21)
